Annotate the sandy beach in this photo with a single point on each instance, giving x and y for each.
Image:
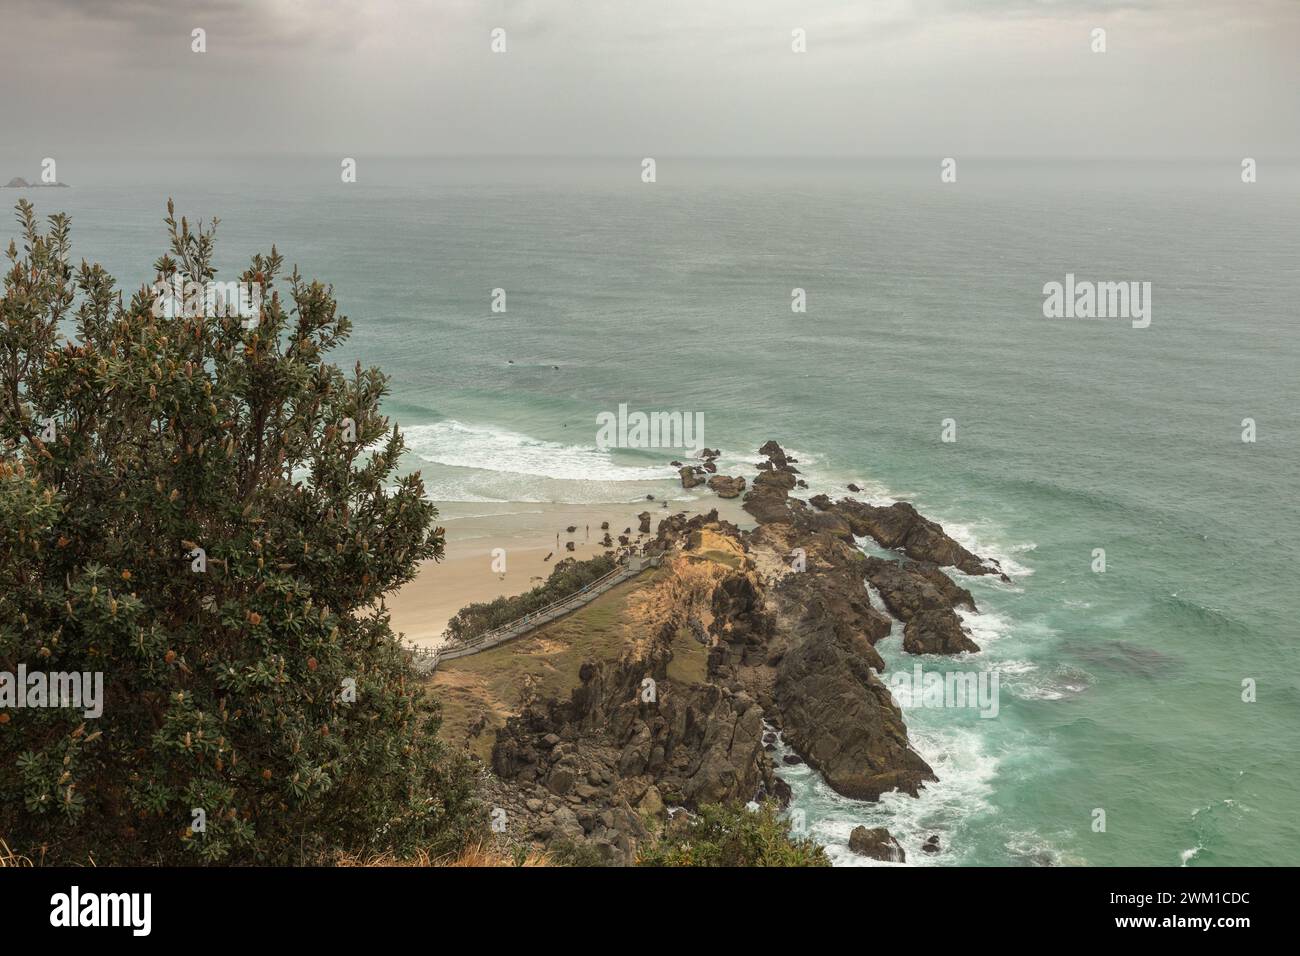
(533, 536)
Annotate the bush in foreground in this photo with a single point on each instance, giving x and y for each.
(206, 512)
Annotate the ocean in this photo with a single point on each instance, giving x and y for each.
(1120, 691)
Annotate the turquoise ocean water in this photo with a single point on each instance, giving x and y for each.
(1121, 690)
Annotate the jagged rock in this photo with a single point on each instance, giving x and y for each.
(569, 546)
(651, 802)
(561, 781)
(900, 526)
(840, 716)
(644, 518)
(908, 588)
(937, 632)
(854, 488)
(768, 499)
(924, 598)
(877, 844)
(774, 453)
(709, 453)
(604, 526)
(564, 824)
(727, 487)
(931, 845)
(571, 528)
(710, 467)
(689, 480)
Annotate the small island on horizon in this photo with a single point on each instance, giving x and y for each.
(19, 183)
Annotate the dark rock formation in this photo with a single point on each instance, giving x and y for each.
(924, 598)
(727, 487)
(689, 480)
(768, 499)
(774, 454)
(900, 526)
(788, 632)
(841, 718)
(877, 844)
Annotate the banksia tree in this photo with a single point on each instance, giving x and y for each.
(206, 511)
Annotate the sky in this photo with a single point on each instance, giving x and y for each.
(1195, 79)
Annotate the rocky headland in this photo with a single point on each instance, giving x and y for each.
(738, 636)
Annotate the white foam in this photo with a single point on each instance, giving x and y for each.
(987, 546)
(986, 627)
(456, 444)
(966, 771)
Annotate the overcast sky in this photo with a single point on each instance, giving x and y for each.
(1180, 78)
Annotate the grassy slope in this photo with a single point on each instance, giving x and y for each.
(493, 683)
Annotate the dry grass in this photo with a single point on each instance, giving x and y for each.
(481, 854)
(9, 858)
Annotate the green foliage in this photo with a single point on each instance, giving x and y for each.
(129, 441)
(568, 577)
(572, 853)
(731, 835)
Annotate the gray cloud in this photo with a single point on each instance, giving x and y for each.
(914, 77)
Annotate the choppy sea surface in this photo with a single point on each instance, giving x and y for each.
(1119, 691)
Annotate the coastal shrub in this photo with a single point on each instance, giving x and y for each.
(566, 578)
(731, 835)
(204, 513)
